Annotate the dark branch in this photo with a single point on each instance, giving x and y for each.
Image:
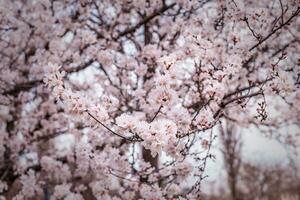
(131, 139)
(160, 107)
(295, 14)
(145, 20)
(31, 84)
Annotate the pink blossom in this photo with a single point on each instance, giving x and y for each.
(30, 185)
(183, 170)
(162, 96)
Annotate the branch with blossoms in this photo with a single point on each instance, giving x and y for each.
(55, 81)
(283, 24)
(146, 20)
(134, 138)
(26, 86)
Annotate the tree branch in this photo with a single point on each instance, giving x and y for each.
(296, 13)
(131, 139)
(31, 84)
(145, 20)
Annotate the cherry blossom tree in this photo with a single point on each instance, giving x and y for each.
(123, 99)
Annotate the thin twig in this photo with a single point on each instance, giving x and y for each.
(158, 111)
(131, 139)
